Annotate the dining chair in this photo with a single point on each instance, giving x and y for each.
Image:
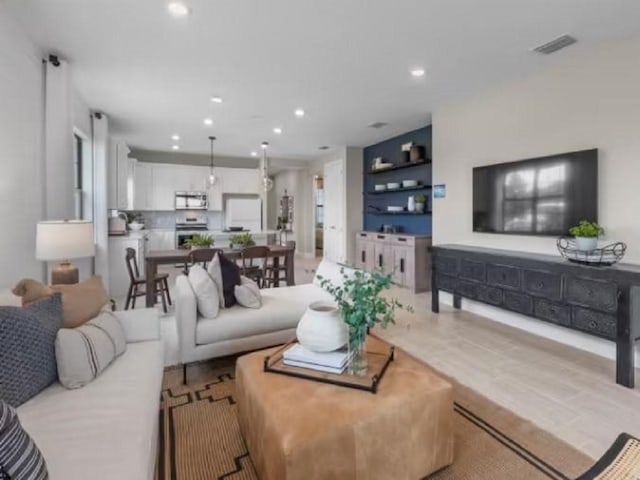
(276, 269)
(200, 256)
(137, 283)
(253, 263)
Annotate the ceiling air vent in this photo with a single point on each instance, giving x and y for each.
(378, 125)
(555, 44)
(323, 147)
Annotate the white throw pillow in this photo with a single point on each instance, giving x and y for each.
(206, 291)
(82, 353)
(248, 293)
(215, 271)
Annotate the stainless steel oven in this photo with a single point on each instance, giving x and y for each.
(191, 201)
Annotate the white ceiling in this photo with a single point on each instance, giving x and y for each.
(346, 62)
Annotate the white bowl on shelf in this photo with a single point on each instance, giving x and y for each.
(409, 183)
(380, 187)
(382, 166)
(136, 227)
(393, 185)
(394, 209)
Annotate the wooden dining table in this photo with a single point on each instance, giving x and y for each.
(180, 256)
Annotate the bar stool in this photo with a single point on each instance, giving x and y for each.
(137, 281)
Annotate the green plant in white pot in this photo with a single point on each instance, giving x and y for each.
(586, 235)
(200, 241)
(421, 200)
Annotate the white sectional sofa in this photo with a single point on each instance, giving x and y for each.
(109, 428)
(238, 329)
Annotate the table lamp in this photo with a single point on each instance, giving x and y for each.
(63, 240)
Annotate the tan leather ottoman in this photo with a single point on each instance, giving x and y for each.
(297, 429)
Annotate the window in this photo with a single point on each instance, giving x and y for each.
(534, 199)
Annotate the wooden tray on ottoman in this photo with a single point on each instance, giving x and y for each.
(379, 356)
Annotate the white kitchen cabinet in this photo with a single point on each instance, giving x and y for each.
(163, 187)
(161, 240)
(143, 185)
(240, 180)
(118, 274)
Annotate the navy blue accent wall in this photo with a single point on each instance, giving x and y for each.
(390, 150)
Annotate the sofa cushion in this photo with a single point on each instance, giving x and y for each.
(19, 455)
(27, 355)
(248, 294)
(81, 301)
(106, 430)
(206, 291)
(226, 274)
(281, 309)
(85, 352)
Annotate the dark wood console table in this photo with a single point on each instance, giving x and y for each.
(600, 301)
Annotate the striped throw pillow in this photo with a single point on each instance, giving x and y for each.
(20, 458)
(84, 352)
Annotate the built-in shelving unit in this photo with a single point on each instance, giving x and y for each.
(375, 202)
(400, 166)
(401, 189)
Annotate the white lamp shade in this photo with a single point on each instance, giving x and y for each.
(64, 240)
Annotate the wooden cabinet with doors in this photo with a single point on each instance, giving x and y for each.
(405, 257)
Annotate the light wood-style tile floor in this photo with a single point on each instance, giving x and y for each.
(566, 391)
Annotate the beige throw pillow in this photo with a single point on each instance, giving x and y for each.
(248, 293)
(206, 291)
(80, 301)
(84, 352)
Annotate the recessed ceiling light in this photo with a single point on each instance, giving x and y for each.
(277, 130)
(176, 147)
(418, 72)
(178, 8)
(175, 137)
(299, 113)
(208, 121)
(216, 99)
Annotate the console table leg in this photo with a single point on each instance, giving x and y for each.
(625, 352)
(435, 296)
(457, 301)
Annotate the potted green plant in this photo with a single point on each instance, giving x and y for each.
(200, 241)
(421, 200)
(586, 235)
(241, 240)
(135, 220)
(359, 299)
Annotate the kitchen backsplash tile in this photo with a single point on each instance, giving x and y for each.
(157, 219)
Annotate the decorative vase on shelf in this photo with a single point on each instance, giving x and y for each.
(322, 329)
(586, 244)
(358, 365)
(411, 204)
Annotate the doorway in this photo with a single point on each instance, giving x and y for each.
(318, 203)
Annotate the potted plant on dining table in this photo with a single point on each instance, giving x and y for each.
(362, 307)
(241, 240)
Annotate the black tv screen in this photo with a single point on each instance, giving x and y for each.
(538, 196)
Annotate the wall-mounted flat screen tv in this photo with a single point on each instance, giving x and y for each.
(538, 196)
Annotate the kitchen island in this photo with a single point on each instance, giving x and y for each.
(168, 257)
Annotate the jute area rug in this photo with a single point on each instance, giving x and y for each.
(200, 438)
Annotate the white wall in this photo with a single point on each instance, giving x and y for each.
(21, 165)
(591, 100)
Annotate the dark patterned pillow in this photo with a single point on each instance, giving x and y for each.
(28, 354)
(20, 458)
(226, 275)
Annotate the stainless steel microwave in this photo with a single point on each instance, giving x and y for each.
(191, 201)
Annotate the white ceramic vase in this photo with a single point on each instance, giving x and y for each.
(411, 204)
(321, 328)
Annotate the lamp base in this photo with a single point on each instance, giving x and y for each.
(64, 274)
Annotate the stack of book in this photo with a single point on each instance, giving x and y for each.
(331, 362)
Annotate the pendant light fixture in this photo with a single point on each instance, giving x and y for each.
(211, 181)
(267, 183)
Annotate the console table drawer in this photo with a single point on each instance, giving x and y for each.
(446, 283)
(503, 276)
(490, 295)
(552, 312)
(592, 293)
(518, 302)
(543, 284)
(596, 323)
(444, 264)
(470, 270)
